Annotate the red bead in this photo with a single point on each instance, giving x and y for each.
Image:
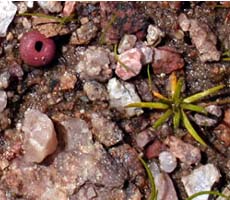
(36, 50)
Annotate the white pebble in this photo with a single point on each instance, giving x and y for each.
(154, 35)
(201, 179)
(39, 136)
(3, 100)
(168, 161)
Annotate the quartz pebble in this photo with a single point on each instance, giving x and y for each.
(168, 161)
(122, 94)
(201, 179)
(39, 136)
(214, 110)
(3, 100)
(4, 80)
(131, 64)
(154, 35)
(185, 152)
(7, 13)
(51, 6)
(126, 43)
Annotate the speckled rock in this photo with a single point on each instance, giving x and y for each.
(122, 94)
(154, 35)
(3, 100)
(127, 42)
(39, 136)
(201, 179)
(105, 130)
(168, 161)
(4, 80)
(132, 61)
(51, 6)
(94, 64)
(202, 120)
(214, 110)
(69, 8)
(95, 91)
(185, 152)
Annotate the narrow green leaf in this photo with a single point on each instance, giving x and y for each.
(176, 95)
(203, 94)
(154, 105)
(193, 107)
(149, 79)
(153, 195)
(191, 130)
(176, 119)
(163, 118)
(216, 193)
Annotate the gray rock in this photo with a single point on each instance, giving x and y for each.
(122, 94)
(201, 179)
(202, 120)
(127, 42)
(51, 6)
(4, 80)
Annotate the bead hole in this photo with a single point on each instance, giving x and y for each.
(38, 46)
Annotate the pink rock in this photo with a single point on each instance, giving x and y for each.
(69, 8)
(154, 149)
(40, 137)
(187, 153)
(184, 22)
(132, 61)
(166, 60)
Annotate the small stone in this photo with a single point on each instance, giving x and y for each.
(227, 116)
(94, 64)
(4, 80)
(132, 61)
(51, 6)
(187, 153)
(214, 110)
(95, 91)
(84, 34)
(146, 55)
(168, 161)
(225, 192)
(69, 8)
(154, 35)
(126, 43)
(121, 94)
(144, 137)
(84, 20)
(184, 22)
(39, 136)
(166, 60)
(7, 13)
(154, 149)
(202, 120)
(223, 133)
(3, 100)
(67, 81)
(201, 179)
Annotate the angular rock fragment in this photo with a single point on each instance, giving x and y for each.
(187, 153)
(51, 6)
(94, 64)
(95, 91)
(166, 60)
(201, 179)
(154, 35)
(7, 13)
(39, 136)
(69, 8)
(129, 65)
(3, 100)
(67, 81)
(202, 120)
(105, 131)
(127, 42)
(4, 80)
(122, 94)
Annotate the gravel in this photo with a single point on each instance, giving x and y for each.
(3, 100)
(209, 175)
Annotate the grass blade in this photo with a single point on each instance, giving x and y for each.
(153, 195)
(176, 119)
(173, 83)
(205, 93)
(163, 118)
(192, 107)
(216, 193)
(161, 97)
(154, 105)
(149, 79)
(176, 95)
(120, 62)
(191, 130)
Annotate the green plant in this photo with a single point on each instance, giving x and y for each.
(211, 192)
(61, 20)
(176, 106)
